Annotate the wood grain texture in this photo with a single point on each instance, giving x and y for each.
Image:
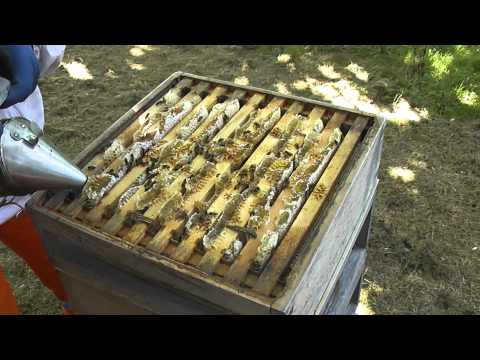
(239, 269)
(95, 214)
(115, 223)
(318, 267)
(96, 163)
(213, 256)
(187, 246)
(351, 276)
(69, 241)
(310, 210)
(138, 231)
(160, 240)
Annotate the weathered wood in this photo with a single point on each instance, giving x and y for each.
(346, 285)
(310, 210)
(95, 215)
(75, 207)
(138, 231)
(91, 165)
(317, 264)
(225, 239)
(187, 246)
(116, 222)
(126, 137)
(65, 239)
(161, 239)
(243, 262)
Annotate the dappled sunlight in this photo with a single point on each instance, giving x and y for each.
(342, 93)
(283, 58)
(137, 67)
(242, 80)
(418, 163)
(409, 57)
(466, 97)
(139, 50)
(359, 72)
(370, 290)
(245, 66)
(412, 191)
(463, 50)
(291, 67)
(424, 113)
(111, 74)
(402, 111)
(136, 52)
(77, 70)
(348, 94)
(300, 85)
(341, 102)
(402, 173)
(440, 64)
(282, 88)
(348, 91)
(363, 307)
(145, 47)
(286, 59)
(325, 90)
(328, 71)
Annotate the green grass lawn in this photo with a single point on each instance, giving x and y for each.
(425, 244)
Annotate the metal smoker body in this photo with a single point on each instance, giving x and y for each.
(28, 163)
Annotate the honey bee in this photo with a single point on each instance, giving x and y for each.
(319, 191)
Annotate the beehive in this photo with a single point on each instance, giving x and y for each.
(224, 184)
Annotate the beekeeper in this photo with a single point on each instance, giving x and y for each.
(22, 66)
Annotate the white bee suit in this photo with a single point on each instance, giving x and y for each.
(49, 57)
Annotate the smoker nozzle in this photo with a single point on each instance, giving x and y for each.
(28, 163)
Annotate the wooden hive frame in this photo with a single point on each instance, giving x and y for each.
(203, 275)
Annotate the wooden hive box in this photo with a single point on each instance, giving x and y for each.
(210, 197)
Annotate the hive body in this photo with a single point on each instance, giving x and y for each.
(223, 184)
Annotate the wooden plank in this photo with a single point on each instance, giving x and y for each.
(62, 237)
(226, 238)
(126, 137)
(310, 210)
(117, 283)
(324, 251)
(74, 208)
(95, 215)
(96, 163)
(219, 206)
(315, 273)
(351, 274)
(116, 222)
(119, 165)
(138, 231)
(203, 194)
(239, 269)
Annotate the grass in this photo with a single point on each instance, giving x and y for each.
(424, 246)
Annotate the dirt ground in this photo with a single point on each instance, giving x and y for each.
(425, 242)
